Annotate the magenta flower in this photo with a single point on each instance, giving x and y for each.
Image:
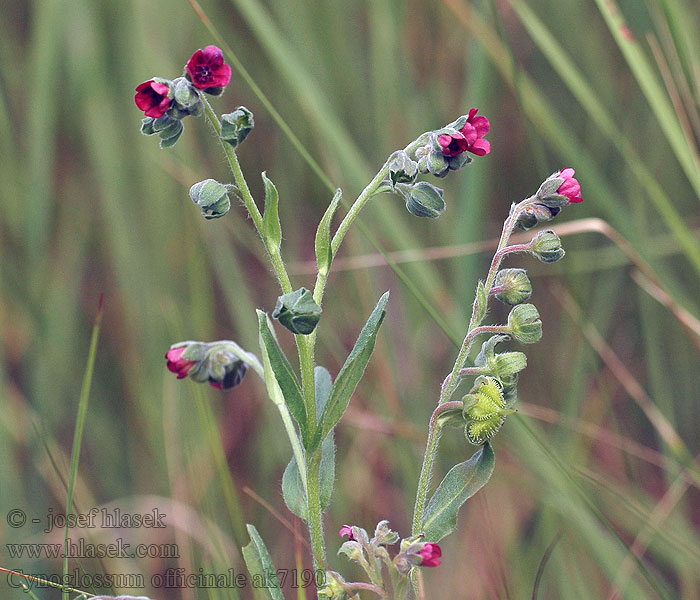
(207, 69)
(474, 130)
(452, 144)
(346, 530)
(571, 187)
(177, 364)
(152, 98)
(430, 553)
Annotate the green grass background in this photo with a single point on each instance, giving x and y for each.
(599, 460)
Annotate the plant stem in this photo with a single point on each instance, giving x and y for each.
(452, 380)
(315, 521)
(434, 430)
(247, 197)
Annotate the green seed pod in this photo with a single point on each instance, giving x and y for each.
(211, 197)
(485, 410)
(546, 246)
(298, 311)
(515, 284)
(423, 199)
(524, 323)
(236, 126)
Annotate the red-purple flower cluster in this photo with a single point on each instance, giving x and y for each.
(206, 70)
(469, 138)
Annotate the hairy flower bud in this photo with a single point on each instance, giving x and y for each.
(402, 169)
(524, 323)
(236, 126)
(298, 311)
(383, 534)
(503, 365)
(211, 197)
(546, 246)
(186, 100)
(536, 213)
(514, 286)
(222, 364)
(423, 199)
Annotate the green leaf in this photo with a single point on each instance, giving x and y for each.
(292, 485)
(283, 373)
(461, 483)
(350, 374)
(262, 571)
(324, 255)
(272, 230)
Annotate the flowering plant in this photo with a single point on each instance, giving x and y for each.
(311, 402)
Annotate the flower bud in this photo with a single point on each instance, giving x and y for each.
(383, 535)
(346, 530)
(211, 197)
(186, 100)
(423, 199)
(236, 126)
(402, 169)
(221, 364)
(514, 286)
(298, 311)
(546, 246)
(536, 213)
(524, 323)
(485, 410)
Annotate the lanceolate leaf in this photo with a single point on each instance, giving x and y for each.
(262, 570)
(461, 483)
(271, 220)
(284, 374)
(351, 372)
(324, 256)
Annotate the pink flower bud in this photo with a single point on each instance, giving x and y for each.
(474, 130)
(177, 364)
(207, 69)
(452, 144)
(346, 530)
(152, 98)
(430, 553)
(571, 187)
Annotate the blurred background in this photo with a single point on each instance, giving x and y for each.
(595, 492)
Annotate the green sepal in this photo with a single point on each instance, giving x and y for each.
(272, 230)
(324, 253)
(236, 126)
(461, 483)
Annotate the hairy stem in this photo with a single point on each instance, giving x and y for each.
(452, 380)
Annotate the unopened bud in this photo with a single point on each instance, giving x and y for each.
(236, 126)
(423, 199)
(211, 197)
(298, 311)
(383, 534)
(402, 169)
(186, 100)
